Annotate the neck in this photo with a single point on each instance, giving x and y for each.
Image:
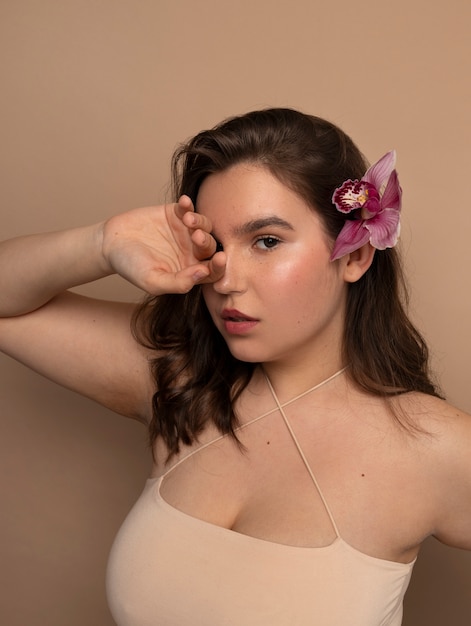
(288, 383)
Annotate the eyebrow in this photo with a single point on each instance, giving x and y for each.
(261, 223)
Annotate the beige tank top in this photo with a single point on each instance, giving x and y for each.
(167, 568)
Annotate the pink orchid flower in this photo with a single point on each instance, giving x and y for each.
(376, 201)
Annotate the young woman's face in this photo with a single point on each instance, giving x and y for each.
(281, 299)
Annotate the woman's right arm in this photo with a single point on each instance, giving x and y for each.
(86, 344)
(35, 268)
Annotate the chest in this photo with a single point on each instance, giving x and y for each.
(168, 567)
(306, 487)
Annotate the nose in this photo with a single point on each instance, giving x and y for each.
(234, 279)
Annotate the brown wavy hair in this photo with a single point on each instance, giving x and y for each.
(196, 377)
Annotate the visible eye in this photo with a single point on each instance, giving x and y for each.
(219, 246)
(267, 243)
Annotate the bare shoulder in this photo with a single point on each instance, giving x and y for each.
(446, 431)
(436, 416)
(445, 428)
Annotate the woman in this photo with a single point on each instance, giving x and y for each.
(301, 452)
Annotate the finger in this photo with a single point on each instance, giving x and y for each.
(217, 267)
(180, 282)
(183, 206)
(183, 281)
(202, 273)
(204, 244)
(197, 221)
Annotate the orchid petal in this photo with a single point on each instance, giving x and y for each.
(376, 198)
(381, 170)
(350, 196)
(384, 229)
(392, 194)
(370, 208)
(352, 236)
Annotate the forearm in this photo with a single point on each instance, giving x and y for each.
(35, 268)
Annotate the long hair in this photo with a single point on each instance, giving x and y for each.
(196, 377)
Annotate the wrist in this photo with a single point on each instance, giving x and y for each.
(98, 242)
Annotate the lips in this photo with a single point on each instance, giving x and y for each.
(237, 323)
(233, 315)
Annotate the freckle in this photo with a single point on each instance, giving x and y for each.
(362, 474)
(268, 443)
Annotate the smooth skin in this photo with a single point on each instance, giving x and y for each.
(387, 489)
(77, 341)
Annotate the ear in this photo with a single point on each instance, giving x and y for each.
(358, 262)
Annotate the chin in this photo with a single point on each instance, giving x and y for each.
(245, 356)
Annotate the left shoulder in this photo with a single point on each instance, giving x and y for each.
(448, 432)
(436, 416)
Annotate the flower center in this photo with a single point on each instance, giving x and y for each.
(353, 194)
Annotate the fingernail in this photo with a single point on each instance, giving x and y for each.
(198, 275)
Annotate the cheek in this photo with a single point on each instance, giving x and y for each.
(208, 293)
(305, 288)
(212, 301)
(302, 275)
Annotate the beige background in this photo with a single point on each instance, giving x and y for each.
(95, 96)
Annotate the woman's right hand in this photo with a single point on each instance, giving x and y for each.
(86, 344)
(162, 249)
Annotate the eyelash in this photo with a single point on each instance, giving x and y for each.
(266, 238)
(275, 241)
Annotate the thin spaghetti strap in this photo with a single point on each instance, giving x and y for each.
(250, 422)
(219, 437)
(298, 446)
